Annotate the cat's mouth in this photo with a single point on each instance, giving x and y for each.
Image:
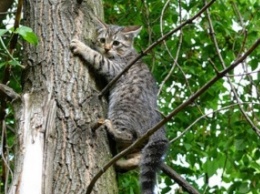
(107, 53)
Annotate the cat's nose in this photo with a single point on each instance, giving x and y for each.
(107, 48)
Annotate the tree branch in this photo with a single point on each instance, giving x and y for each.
(190, 100)
(9, 92)
(178, 179)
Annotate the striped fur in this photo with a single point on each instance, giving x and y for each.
(132, 100)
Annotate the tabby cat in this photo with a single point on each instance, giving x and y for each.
(132, 99)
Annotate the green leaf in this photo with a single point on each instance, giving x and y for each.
(27, 34)
(3, 31)
(2, 64)
(166, 189)
(243, 188)
(240, 144)
(31, 38)
(187, 146)
(211, 167)
(14, 63)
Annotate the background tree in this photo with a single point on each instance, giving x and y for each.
(214, 140)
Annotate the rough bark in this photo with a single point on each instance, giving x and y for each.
(57, 152)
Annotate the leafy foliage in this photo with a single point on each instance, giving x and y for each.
(219, 153)
(10, 74)
(129, 183)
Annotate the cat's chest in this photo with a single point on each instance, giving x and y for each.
(131, 83)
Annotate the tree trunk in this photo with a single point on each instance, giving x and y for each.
(56, 151)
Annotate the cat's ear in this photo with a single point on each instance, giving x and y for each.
(99, 23)
(132, 30)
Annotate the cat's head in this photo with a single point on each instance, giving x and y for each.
(115, 41)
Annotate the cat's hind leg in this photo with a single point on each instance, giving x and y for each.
(98, 124)
(131, 162)
(124, 138)
(121, 136)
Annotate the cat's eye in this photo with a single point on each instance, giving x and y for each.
(102, 40)
(116, 43)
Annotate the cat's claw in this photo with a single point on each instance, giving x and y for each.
(76, 46)
(96, 125)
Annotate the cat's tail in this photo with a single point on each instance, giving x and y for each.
(150, 163)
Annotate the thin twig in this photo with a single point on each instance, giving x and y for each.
(190, 100)
(212, 33)
(167, 35)
(9, 54)
(167, 49)
(243, 74)
(146, 13)
(244, 31)
(213, 65)
(177, 53)
(17, 20)
(5, 155)
(241, 21)
(7, 12)
(206, 115)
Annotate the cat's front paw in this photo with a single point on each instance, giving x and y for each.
(77, 47)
